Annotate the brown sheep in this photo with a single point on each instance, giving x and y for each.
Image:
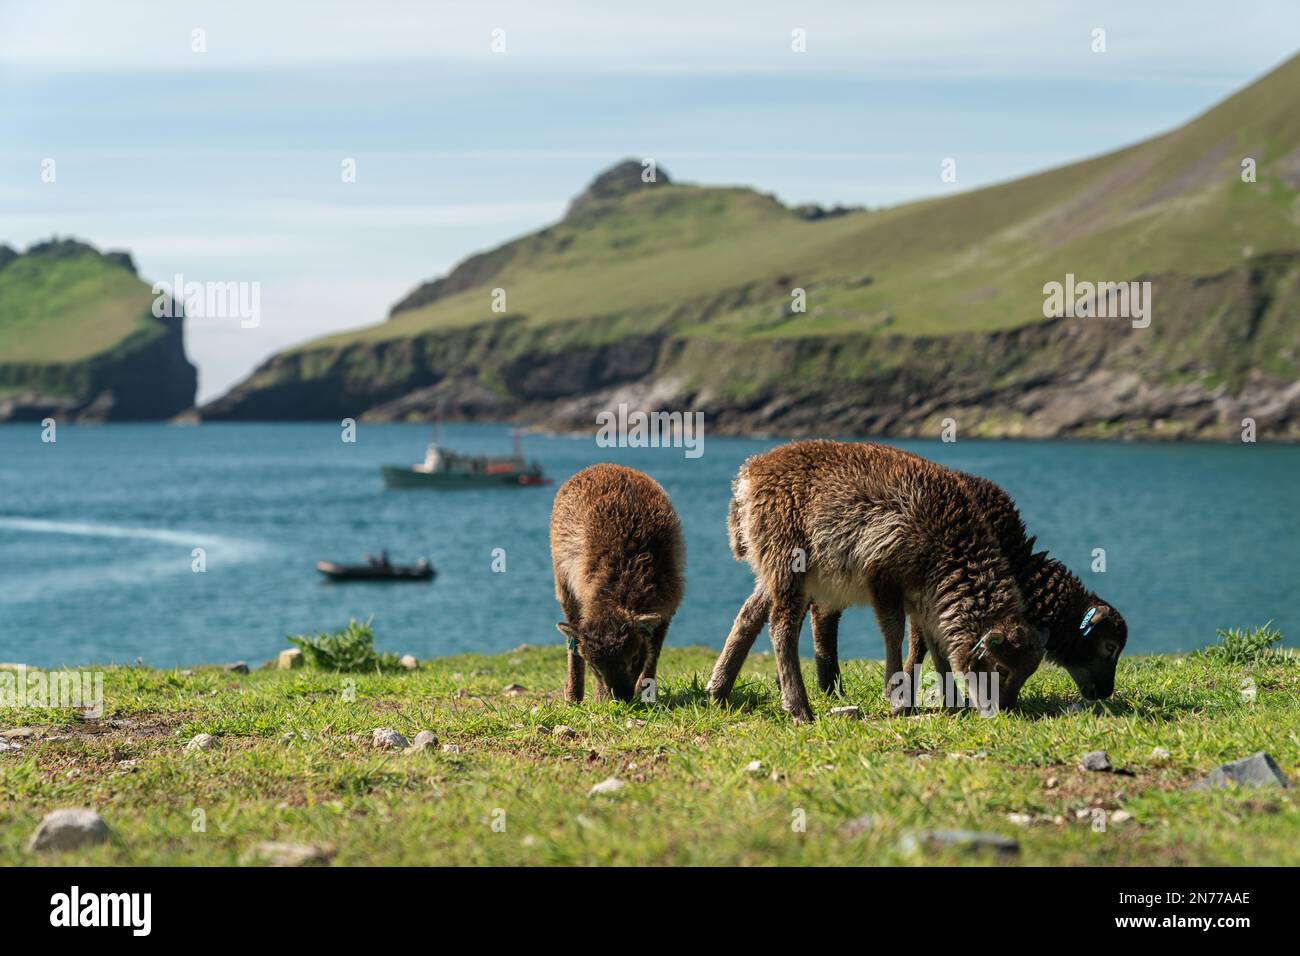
(1080, 631)
(836, 524)
(618, 557)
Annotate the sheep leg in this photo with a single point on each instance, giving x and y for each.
(652, 656)
(912, 668)
(573, 684)
(788, 609)
(744, 631)
(826, 649)
(891, 616)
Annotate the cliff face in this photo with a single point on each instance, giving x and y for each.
(769, 319)
(78, 340)
(1056, 378)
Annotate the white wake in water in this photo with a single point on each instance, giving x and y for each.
(184, 539)
(219, 551)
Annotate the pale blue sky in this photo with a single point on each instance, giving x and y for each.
(225, 165)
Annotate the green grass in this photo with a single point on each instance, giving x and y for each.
(688, 798)
(60, 309)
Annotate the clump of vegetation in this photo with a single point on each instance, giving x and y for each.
(1240, 646)
(351, 650)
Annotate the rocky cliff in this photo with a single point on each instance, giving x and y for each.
(78, 340)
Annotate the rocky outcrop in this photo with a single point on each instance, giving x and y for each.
(617, 181)
(143, 376)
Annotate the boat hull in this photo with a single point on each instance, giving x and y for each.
(395, 477)
(370, 572)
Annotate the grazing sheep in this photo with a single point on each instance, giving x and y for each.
(618, 557)
(836, 524)
(1080, 631)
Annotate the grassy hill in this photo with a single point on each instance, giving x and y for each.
(78, 338)
(690, 286)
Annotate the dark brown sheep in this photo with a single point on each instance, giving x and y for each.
(618, 557)
(1080, 631)
(836, 524)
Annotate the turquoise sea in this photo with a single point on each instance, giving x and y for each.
(98, 530)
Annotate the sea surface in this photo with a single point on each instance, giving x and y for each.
(98, 532)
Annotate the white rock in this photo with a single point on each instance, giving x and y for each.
(1160, 753)
(1020, 819)
(409, 662)
(289, 658)
(514, 690)
(451, 748)
(612, 785)
(288, 738)
(385, 738)
(69, 829)
(564, 730)
(424, 740)
(754, 766)
(853, 713)
(202, 742)
(1120, 816)
(288, 854)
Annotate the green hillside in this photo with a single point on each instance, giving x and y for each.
(78, 338)
(44, 313)
(704, 268)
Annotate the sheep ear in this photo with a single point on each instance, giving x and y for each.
(565, 628)
(646, 623)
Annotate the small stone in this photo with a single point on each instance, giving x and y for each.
(543, 730)
(18, 733)
(288, 854)
(635, 722)
(187, 673)
(69, 829)
(451, 748)
(1020, 819)
(1257, 770)
(611, 785)
(239, 667)
(853, 713)
(202, 742)
(969, 840)
(385, 738)
(288, 738)
(858, 825)
(564, 730)
(424, 740)
(289, 658)
(409, 662)
(1120, 816)
(1052, 783)
(754, 766)
(1160, 753)
(6, 746)
(1098, 761)
(513, 690)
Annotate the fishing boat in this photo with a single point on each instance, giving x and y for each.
(377, 569)
(445, 469)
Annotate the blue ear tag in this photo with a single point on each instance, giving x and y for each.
(1086, 624)
(572, 645)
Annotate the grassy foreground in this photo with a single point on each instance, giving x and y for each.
(518, 794)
